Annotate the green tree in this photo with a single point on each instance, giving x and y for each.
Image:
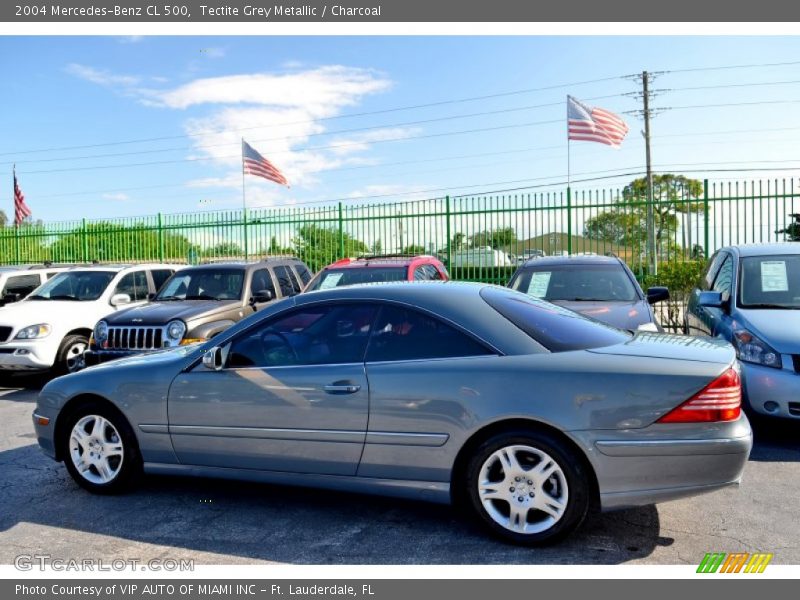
(674, 198)
(377, 247)
(792, 230)
(319, 246)
(413, 249)
(495, 238)
(223, 249)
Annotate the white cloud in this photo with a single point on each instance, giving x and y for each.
(283, 115)
(101, 76)
(117, 197)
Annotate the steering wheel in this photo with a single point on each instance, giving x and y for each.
(285, 341)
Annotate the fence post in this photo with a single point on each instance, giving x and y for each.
(449, 242)
(244, 225)
(705, 217)
(84, 242)
(17, 249)
(341, 232)
(161, 252)
(569, 220)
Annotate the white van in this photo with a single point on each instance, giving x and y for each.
(481, 257)
(49, 330)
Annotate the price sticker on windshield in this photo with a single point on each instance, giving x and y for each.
(540, 281)
(773, 276)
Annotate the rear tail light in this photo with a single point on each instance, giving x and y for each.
(721, 400)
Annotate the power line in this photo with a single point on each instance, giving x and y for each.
(343, 145)
(320, 119)
(730, 85)
(731, 67)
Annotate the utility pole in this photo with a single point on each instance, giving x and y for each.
(651, 223)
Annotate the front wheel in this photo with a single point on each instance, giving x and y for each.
(69, 358)
(100, 450)
(527, 487)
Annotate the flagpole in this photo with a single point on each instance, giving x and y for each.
(244, 206)
(568, 157)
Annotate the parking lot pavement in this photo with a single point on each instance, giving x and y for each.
(43, 512)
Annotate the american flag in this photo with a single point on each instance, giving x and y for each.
(21, 210)
(592, 124)
(255, 164)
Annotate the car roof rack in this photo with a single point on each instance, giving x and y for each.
(397, 255)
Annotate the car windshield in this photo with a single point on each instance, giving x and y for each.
(554, 327)
(74, 285)
(770, 281)
(576, 283)
(332, 278)
(203, 284)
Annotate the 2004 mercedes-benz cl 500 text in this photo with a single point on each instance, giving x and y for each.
(524, 411)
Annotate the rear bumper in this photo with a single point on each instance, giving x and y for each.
(772, 392)
(666, 462)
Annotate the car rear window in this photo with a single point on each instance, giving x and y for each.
(554, 327)
(332, 278)
(576, 283)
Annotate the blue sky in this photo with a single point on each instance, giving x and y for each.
(289, 96)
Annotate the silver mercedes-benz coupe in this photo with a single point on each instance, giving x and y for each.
(524, 412)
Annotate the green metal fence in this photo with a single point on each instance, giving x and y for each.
(689, 224)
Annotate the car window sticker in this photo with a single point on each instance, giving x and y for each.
(540, 281)
(330, 281)
(773, 276)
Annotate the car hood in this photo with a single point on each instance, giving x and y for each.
(149, 359)
(778, 328)
(161, 313)
(625, 315)
(675, 347)
(63, 314)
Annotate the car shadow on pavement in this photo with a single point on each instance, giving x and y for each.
(775, 440)
(244, 522)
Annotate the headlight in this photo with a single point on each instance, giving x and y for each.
(101, 332)
(750, 348)
(176, 329)
(34, 331)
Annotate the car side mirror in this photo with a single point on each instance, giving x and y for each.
(151, 296)
(120, 299)
(261, 296)
(711, 300)
(11, 297)
(657, 294)
(212, 359)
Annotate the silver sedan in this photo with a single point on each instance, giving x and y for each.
(526, 413)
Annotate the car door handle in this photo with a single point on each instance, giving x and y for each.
(342, 388)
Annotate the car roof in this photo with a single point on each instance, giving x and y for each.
(120, 267)
(765, 249)
(575, 259)
(386, 260)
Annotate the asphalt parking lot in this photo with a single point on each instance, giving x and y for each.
(43, 512)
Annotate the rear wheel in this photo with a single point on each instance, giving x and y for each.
(527, 487)
(70, 354)
(99, 449)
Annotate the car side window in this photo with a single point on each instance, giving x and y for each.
(286, 281)
(313, 335)
(20, 284)
(434, 273)
(405, 334)
(135, 285)
(262, 282)
(713, 268)
(724, 280)
(160, 276)
(421, 274)
(303, 272)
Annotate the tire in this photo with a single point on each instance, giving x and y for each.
(546, 506)
(69, 358)
(108, 446)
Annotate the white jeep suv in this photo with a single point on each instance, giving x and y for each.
(49, 330)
